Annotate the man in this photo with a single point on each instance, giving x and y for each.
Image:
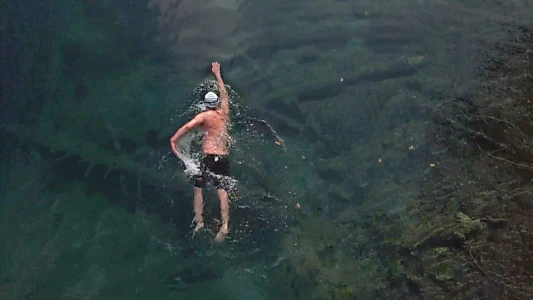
(215, 163)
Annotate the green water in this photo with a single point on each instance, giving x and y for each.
(381, 149)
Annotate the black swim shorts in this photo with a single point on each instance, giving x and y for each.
(213, 168)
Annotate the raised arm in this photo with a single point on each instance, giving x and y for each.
(196, 121)
(224, 98)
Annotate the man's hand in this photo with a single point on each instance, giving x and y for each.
(224, 99)
(174, 148)
(215, 68)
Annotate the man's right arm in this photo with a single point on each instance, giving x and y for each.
(196, 121)
(224, 98)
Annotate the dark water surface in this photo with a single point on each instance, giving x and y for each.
(381, 149)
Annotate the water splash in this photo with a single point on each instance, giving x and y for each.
(189, 156)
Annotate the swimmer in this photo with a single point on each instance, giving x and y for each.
(215, 163)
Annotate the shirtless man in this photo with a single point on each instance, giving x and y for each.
(215, 163)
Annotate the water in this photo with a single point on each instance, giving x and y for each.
(380, 150)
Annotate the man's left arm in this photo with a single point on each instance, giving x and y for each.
(196, 121)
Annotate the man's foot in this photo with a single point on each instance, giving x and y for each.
(221, 235)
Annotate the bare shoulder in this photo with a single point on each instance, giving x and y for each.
(214, 115)
(200, 118)
(206, 114)
(222, 113)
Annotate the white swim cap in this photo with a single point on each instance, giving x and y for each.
(211, 100)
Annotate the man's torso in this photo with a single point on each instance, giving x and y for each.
(215, 130)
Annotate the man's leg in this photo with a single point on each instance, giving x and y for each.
(224, 213)
(198, 209)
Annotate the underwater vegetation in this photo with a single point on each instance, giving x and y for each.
(372, 164)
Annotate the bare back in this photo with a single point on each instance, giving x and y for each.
(215, 130)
